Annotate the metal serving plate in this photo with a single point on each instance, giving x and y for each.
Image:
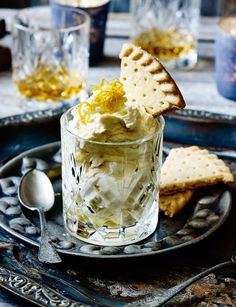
(207, 211)
(201, 128)
(32, 117)
(25, 131)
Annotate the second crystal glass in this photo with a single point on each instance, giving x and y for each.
(49, 64)
(167, 29)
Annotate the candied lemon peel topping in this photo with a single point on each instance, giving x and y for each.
(109, 99)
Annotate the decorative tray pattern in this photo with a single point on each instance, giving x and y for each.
(47, 114)
(33, 116)
(206, 212)
(204, 116)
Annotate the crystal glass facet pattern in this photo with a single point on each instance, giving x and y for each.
(110, 190)
(49, 64)
(167, 29)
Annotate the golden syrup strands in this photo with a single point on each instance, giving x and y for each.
(50, 83)
(109, 99)
(165, 44)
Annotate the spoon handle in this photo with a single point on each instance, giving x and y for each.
(47, 252)
(164, 296)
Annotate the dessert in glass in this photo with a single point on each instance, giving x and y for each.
(112, 155)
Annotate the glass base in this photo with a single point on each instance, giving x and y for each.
(106, 236)
(186, 61)
(31, 105)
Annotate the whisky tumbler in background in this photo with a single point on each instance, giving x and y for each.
(167, 29)
(98, 12)
(110, 190)
(49, 64)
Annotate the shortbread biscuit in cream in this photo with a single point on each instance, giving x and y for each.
(147, 83)
(192, 167)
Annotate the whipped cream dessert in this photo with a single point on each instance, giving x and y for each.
(114, 165)
(107, 116)
(112, 153)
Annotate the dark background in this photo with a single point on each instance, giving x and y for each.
(208, 7)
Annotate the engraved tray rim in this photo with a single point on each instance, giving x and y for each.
(189, 115)
(202, 116)
(30, 117)
(5, 168)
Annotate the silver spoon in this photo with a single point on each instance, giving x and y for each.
(164, 296)
(36, 193)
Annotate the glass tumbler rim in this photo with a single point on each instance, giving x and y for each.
(17, 25)
(75, 3)
(124, 143)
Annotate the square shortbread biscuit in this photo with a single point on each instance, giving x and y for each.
(147, 83)
(192, 167)
(172, 204)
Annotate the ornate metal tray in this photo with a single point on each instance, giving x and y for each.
(33, 116)
(207, 211)
(201, 128)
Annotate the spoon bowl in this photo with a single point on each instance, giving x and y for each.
(36, 193)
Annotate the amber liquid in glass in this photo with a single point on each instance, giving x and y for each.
(166, 44)
(50, 83)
